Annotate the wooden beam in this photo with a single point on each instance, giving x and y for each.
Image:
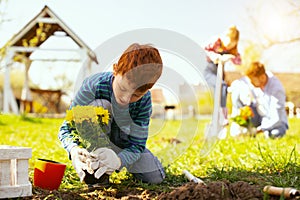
(47, 20)
(32, 49)
(56, 59)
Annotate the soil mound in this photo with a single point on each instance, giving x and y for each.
(216, 190)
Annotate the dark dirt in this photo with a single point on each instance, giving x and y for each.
(216, 190)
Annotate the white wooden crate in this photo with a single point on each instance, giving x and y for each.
(14, 180)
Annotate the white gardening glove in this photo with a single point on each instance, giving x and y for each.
(245, 96)
(105, 161)
(79, 157)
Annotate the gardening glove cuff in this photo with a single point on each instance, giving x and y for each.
(79, 157)
(109, 161)
(103, 170)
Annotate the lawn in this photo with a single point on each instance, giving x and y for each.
(179, 144)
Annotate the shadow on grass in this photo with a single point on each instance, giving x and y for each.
(26, 118)
(285, 177)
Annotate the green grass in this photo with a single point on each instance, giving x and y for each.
(255, 160)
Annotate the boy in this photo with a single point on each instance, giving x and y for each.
(264, 93)
(268, 101)
(125, 92)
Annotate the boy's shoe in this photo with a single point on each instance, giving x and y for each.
(273, 134)
(92, 182)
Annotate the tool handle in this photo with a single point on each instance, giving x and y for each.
(192, 178)
(287, 192)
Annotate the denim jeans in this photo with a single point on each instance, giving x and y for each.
(276, 131)
(147, 168)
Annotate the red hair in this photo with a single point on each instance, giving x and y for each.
(256, 69)
(141, 64)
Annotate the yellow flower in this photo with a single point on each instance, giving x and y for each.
(69, 115)
(105, 117)
(89, 122)
(244, 117)
(103, 114)
(99, 110)
(246, 112)
(80, 113)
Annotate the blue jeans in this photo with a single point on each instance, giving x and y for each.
(275, 132)
(147, 160)
(147, 168)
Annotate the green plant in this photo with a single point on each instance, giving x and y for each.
(88, 125)
(255, 160)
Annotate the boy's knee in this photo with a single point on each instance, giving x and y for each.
(156, 180)
(154, 177)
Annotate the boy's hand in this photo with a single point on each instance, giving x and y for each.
(106, 161)
(79, 157)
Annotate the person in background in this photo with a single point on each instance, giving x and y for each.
(265, 94)
(222, 50)
(125, 92)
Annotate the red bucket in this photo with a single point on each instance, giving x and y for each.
(48, 174)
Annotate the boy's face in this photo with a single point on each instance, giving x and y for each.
(255, 81)
(124, 91)
(258, 81)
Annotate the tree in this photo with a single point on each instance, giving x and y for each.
(271, 28)
(2, 11)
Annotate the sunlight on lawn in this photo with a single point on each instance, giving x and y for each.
(39, 134)
(177, 144)
(175, 138)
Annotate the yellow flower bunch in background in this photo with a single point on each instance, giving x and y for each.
(88, 125)
(244, 117)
